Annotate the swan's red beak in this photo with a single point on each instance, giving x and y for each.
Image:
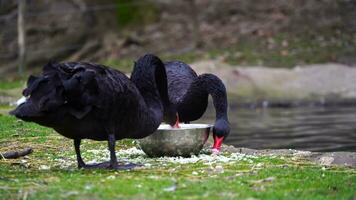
(217, 143)
(176, 125)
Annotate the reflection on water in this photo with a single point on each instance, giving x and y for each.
(308, 128)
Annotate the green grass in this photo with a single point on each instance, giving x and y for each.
(7, 84)
(253, 177)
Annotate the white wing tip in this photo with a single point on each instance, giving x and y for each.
(21, 101)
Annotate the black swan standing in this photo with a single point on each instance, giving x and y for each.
(188, 95)
(90, 101)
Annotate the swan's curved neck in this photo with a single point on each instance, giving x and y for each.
(150, 78)
(196, 97)
(215, 87)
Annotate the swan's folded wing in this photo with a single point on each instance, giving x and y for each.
(80, 88)
(88, 86)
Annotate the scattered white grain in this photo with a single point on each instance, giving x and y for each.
(219, 169)
(136, 155)
(111, 177)
(170, 189)
(44, 167)
(88, 187)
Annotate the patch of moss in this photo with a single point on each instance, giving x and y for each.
(133, 13)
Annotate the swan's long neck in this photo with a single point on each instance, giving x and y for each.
(193, 105)
(211, 84)
(215, 87)
(150, 78)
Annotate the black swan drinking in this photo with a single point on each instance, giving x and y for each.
(90, 101)
(188, 95)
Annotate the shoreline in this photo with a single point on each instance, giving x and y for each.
(341, 158)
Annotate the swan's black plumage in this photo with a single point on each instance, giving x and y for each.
(188, 94)
(90, 101)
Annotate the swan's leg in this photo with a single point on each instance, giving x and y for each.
(80, 161)
(111, 144)
(113, 160)
(176, 125)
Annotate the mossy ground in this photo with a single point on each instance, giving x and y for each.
(50, 173)
(283, 50)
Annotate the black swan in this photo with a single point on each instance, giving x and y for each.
(90, 101)
(188, 95)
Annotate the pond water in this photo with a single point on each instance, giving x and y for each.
(305, 128)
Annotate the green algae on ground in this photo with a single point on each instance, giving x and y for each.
(50, 172)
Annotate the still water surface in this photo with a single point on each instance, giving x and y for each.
(307, 128)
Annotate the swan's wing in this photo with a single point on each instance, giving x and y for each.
(88, 86)
(180, 76)
(81, 91)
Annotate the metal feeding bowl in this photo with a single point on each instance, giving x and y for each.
(185, 141)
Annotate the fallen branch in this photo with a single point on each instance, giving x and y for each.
(15, 154)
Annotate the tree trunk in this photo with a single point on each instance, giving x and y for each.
(21, 36)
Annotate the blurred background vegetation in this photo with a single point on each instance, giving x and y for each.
(273, 33)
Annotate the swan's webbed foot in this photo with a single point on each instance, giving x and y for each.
(112, 164)
(108, 165)
(126, 166)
